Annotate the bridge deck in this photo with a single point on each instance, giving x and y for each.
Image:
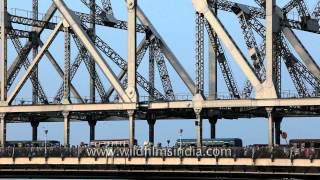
(124, 167)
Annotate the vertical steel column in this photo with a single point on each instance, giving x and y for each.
(213, 122)
(151, 122)
(34, 125)
(92, 63)
(131, 114)
(213, 64)
(66, 121)
(198, 124)
(277, 127)
(270, 47)
(199, 53)
(132, 57)
(92, 125)
(151, 70)
(67, 57)
(35, 88)
(3, 130)
(3, 46)
(270, 126)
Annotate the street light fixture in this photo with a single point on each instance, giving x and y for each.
(168, 142)
(45, 140)
(180, 134)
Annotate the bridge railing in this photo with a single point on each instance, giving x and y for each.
(212, 152)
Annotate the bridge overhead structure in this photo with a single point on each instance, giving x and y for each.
(262, 94)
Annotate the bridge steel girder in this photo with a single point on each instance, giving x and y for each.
(74, 24)
(207, 104)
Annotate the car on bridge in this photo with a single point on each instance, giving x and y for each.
(218, 142)
(112, 143)
(41, 143)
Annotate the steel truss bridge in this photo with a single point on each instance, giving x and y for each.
(268, 32)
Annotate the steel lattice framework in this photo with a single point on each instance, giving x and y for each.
(270, 40)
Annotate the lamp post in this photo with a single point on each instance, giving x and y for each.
(45, 141)
(180, 134)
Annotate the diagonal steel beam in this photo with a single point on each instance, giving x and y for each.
(293, 65)
(34, 80)
(76, 27)
(302, 51)
(16, 65)
(34, 63)
(156, 52)
(76, 64)
(223, 63)
(60, 72)
(107, 6)
(173, 60)
(84, 55)
(118, 60)
(202, 7)
(141, 50)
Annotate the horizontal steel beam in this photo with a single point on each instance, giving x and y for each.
(69, 108)
(208, 104)
(85, 18)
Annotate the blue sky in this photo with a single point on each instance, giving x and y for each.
(175, 22)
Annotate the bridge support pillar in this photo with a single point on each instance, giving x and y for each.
(131, 114)
(3, 127)
(213, 122)
(151, 123)
(270, 126)
(92, 125)
(66, 120)
(277, 123)
(34, 125)
(198, 124)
